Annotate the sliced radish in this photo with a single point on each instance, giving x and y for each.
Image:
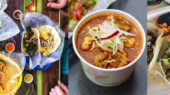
(98, 28)
(110, 36)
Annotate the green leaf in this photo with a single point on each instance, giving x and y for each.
(157, 60)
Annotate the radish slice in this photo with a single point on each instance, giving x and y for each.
(110, 36)
(98, 28)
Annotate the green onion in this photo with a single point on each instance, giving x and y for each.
(166, 61)
(168, 55)
(157, 60)
(94, 30)
(168, 43)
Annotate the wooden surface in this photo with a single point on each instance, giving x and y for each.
(64, 20)
(51, 13)
(51, 75)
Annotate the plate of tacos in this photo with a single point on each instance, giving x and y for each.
(42, 40)
(45, 40)
(158, 50)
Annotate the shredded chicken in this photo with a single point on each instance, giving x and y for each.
(120, 61)
(105, 59)
(122, 24)
(99, 60)
(87, 41)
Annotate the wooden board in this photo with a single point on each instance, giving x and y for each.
(51, 75)
(51, 13)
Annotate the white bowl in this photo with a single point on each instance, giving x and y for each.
(15, 12)
(31, 79)
(6, 46)
(108, 77)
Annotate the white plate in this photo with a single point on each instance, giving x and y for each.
(153, 88)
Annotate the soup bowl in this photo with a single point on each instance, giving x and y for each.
(112, 76)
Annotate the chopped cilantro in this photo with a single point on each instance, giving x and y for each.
(168, 43)
(157, 60)
(168, 55)
(94, 30)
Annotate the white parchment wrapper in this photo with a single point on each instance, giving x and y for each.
(36, 20)
(9, 27)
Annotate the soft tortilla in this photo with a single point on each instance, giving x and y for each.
(159, 49)
(36, 35)
(55, 35)
(12, 72)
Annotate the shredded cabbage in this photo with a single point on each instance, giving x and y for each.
(112, 44)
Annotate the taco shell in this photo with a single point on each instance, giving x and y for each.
(50, 37)
(35, 36)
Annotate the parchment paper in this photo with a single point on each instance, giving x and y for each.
(9, 27)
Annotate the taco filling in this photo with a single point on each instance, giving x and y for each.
(153, 32)
(30, 42)
(49, 40)
(159, 67)
(165, 62)
(150, 46)
(46, 42)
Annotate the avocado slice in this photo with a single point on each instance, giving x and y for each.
(2, 64)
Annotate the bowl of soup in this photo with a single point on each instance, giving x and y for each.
(109, 43)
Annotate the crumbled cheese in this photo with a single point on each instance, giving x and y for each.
(149, 43)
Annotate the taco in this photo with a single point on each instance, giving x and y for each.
(159, 67)
(49, 39)
(30, 41)
(10, 78)
(153, 32)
